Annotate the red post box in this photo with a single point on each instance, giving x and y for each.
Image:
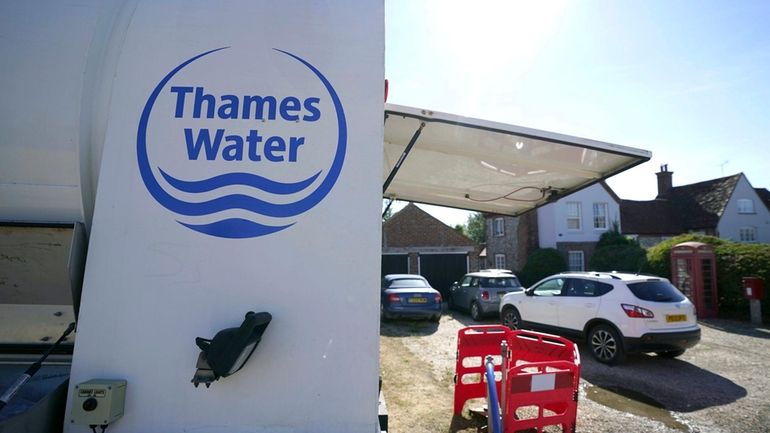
(753, 287)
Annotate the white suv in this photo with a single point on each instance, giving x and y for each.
(616, 313)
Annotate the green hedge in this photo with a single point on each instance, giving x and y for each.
(734, 261)
(615, 252)
(540, 264)
(659, 256)
(621, 258)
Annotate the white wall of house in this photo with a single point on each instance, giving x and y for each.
(553, 224)
(745, 219)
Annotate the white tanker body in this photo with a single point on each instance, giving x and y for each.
(202, 212)
(58, 60)
(290, 137)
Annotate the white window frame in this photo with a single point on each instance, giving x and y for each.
(747, 234)
(746, 206)
(498, 227)
(577, 216)
(500, 261)
(604, 218)
(573, 265)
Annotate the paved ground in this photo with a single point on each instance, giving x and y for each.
(721, 385)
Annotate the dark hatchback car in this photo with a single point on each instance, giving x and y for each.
(406, 295)
(479, 293)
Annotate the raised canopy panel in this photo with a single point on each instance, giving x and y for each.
(486, 166)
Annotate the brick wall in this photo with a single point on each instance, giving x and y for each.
(518, 241)
(586, 247)
(528, 238)
(413, 231)
(412, 227)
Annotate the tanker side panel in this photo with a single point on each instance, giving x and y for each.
(49, 143)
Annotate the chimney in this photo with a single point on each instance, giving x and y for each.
(664, 180)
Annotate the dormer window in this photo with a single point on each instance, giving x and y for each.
(746, 205)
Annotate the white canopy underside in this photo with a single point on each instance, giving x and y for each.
(492, 167)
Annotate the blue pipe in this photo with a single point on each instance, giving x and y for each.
(494, 405)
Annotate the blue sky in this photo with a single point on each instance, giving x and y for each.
(687, 80)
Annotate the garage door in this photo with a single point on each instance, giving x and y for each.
(442, 270)
(395, 264)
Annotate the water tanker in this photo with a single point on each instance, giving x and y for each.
(175, 176)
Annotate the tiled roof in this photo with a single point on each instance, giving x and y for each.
(412, 227)
(764, 194)
(697, 206)
(655, 217)
(702, 204)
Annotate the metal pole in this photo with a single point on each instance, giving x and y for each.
(503, 382)
(27, 375)
(755, 308)
(390, 202)
(493, 412)
(401, 159)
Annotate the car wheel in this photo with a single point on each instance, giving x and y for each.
(606, 345)
(670, 353)
(383, 315)
(450, 302)
(475, 311)
(436, 318)
(511, 318)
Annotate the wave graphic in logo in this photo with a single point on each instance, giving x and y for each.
(235, 228)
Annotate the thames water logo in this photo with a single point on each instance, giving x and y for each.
(241, 165)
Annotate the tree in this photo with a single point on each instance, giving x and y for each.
(631, 258)
(476, 227)
(540, 264)
(459, 228)
(616, 252)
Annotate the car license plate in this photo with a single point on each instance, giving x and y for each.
(676, 318)
(417, 300)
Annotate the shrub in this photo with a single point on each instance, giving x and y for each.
(622, 258)
(614, 237)
(735, 261)
(659, 256)
(540, 264)
(616, 252)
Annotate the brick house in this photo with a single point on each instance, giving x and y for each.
(415, 242)
(510, 240)
(572, 225)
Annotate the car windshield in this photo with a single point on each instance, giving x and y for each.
(656, 291)
(408, 282)
(501, 282)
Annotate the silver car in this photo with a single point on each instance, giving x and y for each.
(479, 293)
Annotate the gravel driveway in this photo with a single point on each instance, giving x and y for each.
(720, 385)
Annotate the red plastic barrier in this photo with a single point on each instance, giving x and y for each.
(542, 382)
(475, 342)
(543, 374)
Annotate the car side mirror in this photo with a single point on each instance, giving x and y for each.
(529, 292)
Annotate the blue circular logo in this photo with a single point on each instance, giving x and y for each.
(219, 196)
